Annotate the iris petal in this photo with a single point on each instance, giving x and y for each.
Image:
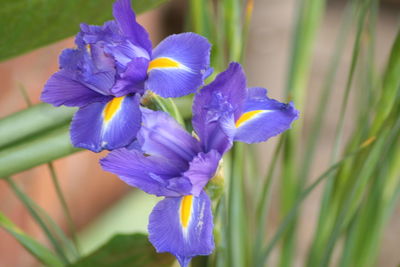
(106, 125)
(161, 135)
(182, 226)
(126, 20)
(216, 107)
(263, 117)
(202, 169)
(61, 89)
(178, 65)
(151, 174)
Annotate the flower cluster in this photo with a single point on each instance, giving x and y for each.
(107, 75)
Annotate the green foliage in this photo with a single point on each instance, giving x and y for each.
(126, 250)
(26, 25)
(36, 151)
(42, 253)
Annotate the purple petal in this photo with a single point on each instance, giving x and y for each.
(263, 117)
(161, 135)
(216, 107)
(82, 68)
(61, 89)
(131, 81)
(126, 20)
(183, 227)
(202, 168)
(178, 65)
(108, 125)
(152, 174)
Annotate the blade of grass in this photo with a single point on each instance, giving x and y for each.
(326, 216)
(28, 204)
(264, 201)
(36, 249)
(308, 17)
(293, 212)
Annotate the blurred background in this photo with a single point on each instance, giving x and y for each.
(99, 201)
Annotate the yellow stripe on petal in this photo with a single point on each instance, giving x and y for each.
(163, 62)
(112, 107)
(247, 116)
(186, 209)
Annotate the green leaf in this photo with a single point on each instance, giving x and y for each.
(28, 122)
(33, 152)
(42, 253)
(132, 250)
(26, 25)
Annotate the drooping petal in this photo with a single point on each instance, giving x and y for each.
(216, 107)
(161, 135)
(183, 227)
(126, 20)
(263, 117)
(107, 125)
(178, 65)
(152, 174)
(202, 168)
(61, 89)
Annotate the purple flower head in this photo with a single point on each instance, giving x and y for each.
(227, 107)
(172, 164)
(109, 71)
(167, 161)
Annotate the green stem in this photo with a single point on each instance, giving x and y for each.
(61, 198)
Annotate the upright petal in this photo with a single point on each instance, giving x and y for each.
(216, 107)
(183, 227)
(202, 168)
(107, 125)
(126, 20)
(152, 174)
(263, 117)
(161, 135)
(131, 80)
(61, 89)
(178, 65)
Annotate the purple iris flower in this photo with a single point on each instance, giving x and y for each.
(109, 71)
(172, 163)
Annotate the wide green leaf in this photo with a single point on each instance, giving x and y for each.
(42, 253)
(31, 121)
(133, 250)
(29, 24)
(36, 151)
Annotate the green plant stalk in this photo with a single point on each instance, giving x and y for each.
(293, 212)
(327, 217)
(307, 21)
(33, 152)
(263, 205)
(36, 249)
(236, 211)
(64, 205)
(27, 203)
(327, 87)
(350, 201)
(391, 81)
(233, 28)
